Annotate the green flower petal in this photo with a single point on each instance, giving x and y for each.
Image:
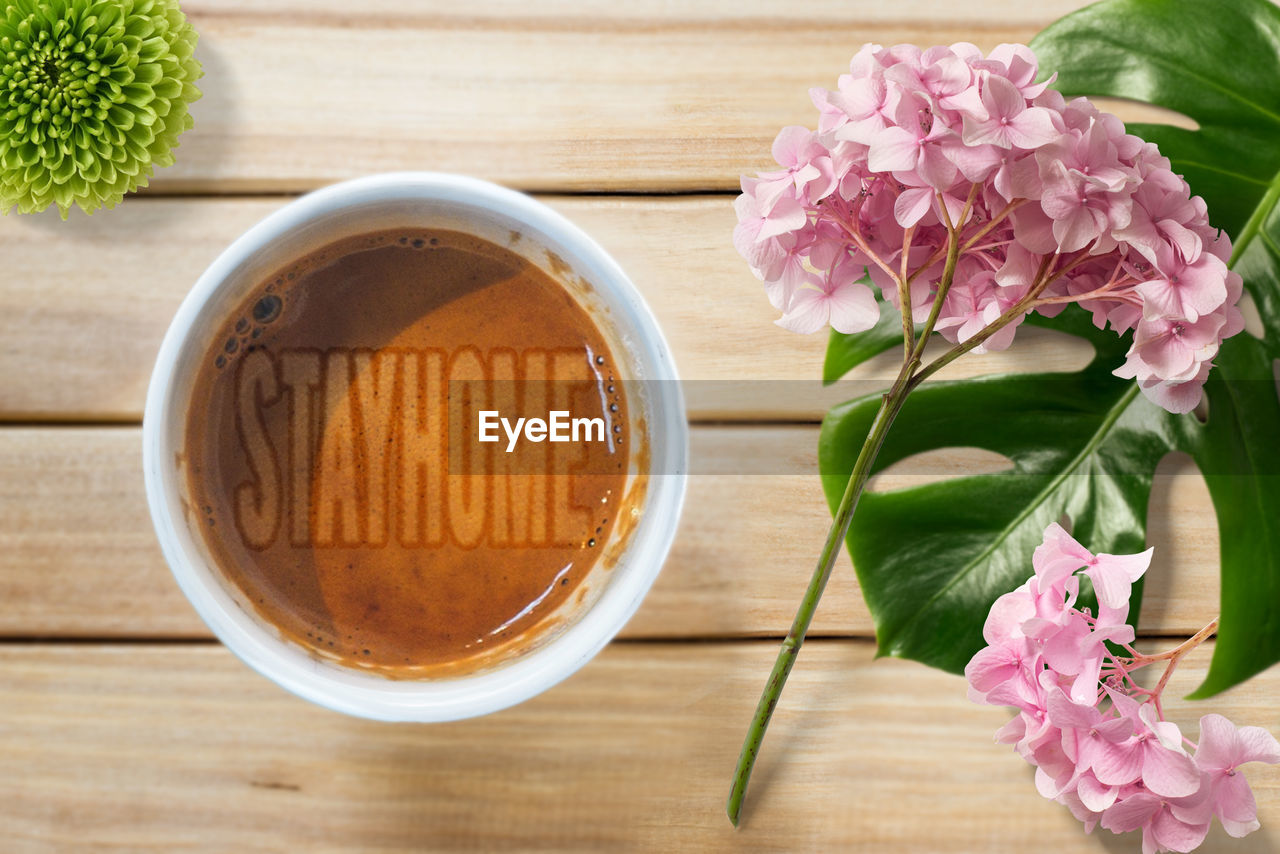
(121, 118)
(93, 97)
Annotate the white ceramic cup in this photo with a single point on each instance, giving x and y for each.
(427, 200)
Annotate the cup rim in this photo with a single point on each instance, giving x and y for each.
(365, 694)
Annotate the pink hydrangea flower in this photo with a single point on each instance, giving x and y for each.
(835, 298)
(1049, 198)
(1223, 748)
(1100, 743)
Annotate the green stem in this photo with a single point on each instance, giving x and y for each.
(889, 408)
(944, 285)
(908, 379)
(904, 297)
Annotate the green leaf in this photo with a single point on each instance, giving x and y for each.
(1239, 454)
(1217, 62)
(932, 559)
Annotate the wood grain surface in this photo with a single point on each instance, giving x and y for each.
(183, 749)
(78, 557)
(125, 728)
(564, 96)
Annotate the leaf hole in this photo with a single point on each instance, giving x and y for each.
(1136, 111)
(1183, 587)
(1065, 521)
(1252, 317)
(939, 464)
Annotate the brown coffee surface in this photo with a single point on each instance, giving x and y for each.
(334, 465)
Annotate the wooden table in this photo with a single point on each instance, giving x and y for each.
(124, 727)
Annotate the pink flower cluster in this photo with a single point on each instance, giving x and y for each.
(1099, 742)
(1051, 201)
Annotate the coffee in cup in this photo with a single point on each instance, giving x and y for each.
(414, 447)
(336, 450)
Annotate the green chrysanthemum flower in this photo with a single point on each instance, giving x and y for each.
(93, 96)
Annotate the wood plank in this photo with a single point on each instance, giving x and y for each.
(655, 96)
(588, 14)
(84, 305)
(78, 557)
(155, 748)
(296, 96)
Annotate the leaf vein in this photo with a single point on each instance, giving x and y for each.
(1113, 414)
(1248, 179)
(1177, 69)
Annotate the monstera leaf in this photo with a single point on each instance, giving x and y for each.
(931, 559)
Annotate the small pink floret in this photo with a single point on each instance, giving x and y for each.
(1100, 743)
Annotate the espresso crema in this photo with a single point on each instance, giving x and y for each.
(336, 466)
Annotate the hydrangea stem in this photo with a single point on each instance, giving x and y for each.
(908, 378)
(1172, 656)
(890, 405)
(904, 297)
(1181, 649)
